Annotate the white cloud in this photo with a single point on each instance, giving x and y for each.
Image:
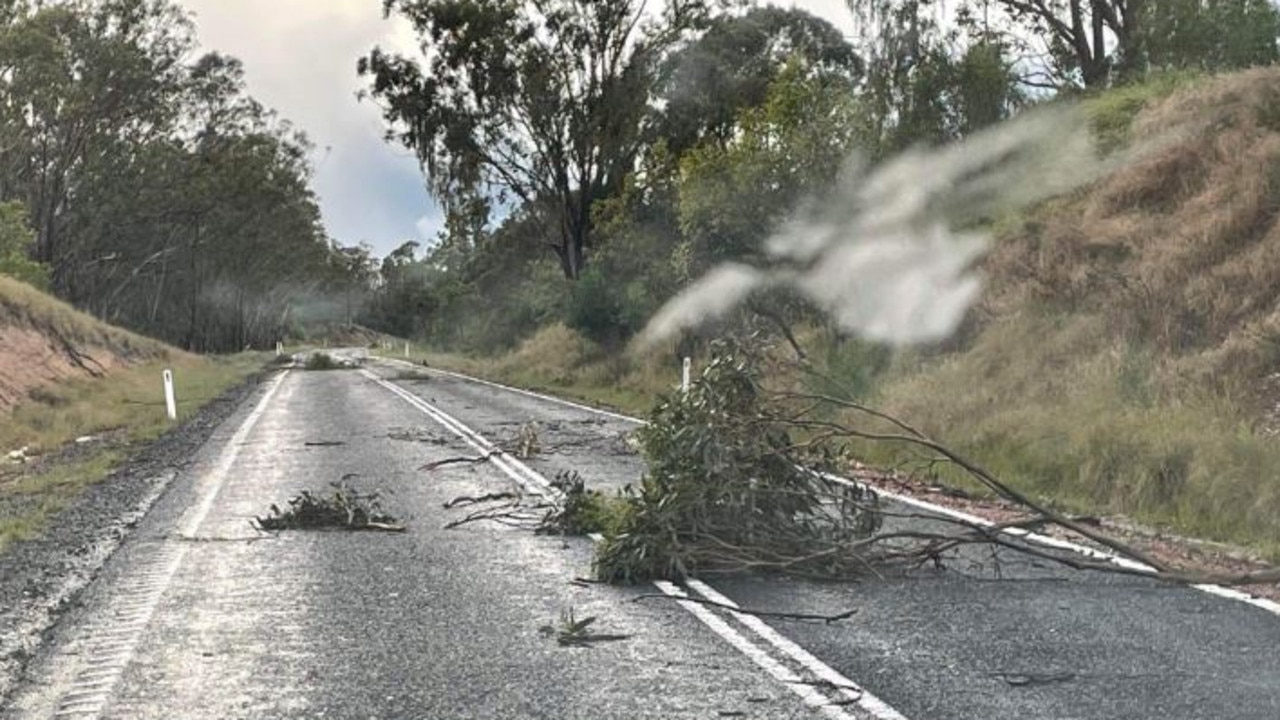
(300, 59)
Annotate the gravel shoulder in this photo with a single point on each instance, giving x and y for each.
(40, 578)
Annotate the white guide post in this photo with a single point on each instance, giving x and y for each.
(279, 348)
(406, 348)
(170, 402)
(684, 375)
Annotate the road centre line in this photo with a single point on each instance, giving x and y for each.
(807, 692)
(849, 691)
(524, 476)
(1270, 606)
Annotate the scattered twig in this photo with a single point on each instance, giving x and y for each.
(505, 515)
(573, 632)
(463, 500)
(469, 460)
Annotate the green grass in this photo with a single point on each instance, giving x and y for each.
(124, 409)
(1059, 410)
(130, 400)
(27, 504)
(1111, 114)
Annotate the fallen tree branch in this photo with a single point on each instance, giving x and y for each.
(462, 500)
(469, 460)
(995, 486)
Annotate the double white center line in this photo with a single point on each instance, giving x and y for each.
(817, 684)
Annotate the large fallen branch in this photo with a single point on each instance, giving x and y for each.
(744, 478)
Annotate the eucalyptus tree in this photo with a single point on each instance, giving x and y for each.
(537, 104)
(704, 86)
(1092, 44)
(83, 79)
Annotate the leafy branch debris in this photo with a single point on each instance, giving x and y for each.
(573, 632)
(344, 509)
(745, 477)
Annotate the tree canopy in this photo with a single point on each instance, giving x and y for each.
(158, 193)
(535, 103)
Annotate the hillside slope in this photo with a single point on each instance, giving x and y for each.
(79, 398)
(1125, 353)
(44, 340)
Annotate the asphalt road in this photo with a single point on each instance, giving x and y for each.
(198, 616)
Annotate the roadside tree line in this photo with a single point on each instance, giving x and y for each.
(141, 182)
(592, 158)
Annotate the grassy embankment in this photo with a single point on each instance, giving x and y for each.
(1122, 357)
(120, 404)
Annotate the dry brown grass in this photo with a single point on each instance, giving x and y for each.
(44, 340)
(1119, 359)
(1180, 249)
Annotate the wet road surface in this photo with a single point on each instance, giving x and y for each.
(199, 616)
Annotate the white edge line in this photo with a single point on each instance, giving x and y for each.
(216, 478)
(807, 692)
(98, 677)
(1270, 606)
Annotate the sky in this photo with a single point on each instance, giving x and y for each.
(300, 58)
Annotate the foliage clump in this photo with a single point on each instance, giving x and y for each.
(16, 240)
(581, 511)
(345, 509)
(733, 486)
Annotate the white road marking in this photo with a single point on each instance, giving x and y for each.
(524, 475)
(519, 471)
(1270, 606)
(211, 483)
(852, 691)
(806, 691)
(111, 644)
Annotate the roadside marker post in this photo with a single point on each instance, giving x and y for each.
(406, 348)
(279, 348)
(170, 402)
(684, 375)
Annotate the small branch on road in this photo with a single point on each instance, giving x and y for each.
(463, 500)
(511, 514)
(344, 509)
(467, 459)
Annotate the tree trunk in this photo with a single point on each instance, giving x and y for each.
(571, 254)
